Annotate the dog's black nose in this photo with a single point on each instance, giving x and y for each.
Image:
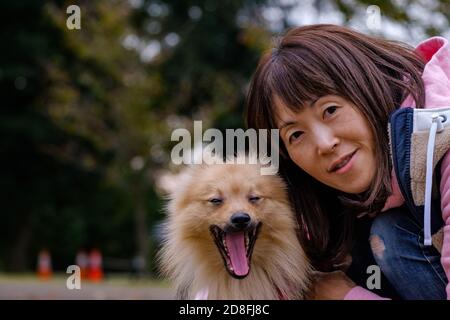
(240, 220)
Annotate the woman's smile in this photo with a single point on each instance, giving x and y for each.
(343, 164)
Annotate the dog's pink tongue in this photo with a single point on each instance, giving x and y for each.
(236, 248)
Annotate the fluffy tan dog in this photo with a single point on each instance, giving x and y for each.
(231, 234)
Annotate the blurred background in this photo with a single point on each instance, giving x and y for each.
(87, 115)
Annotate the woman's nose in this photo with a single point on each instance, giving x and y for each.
(326, 141)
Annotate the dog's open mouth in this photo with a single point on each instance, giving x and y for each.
(236, 248)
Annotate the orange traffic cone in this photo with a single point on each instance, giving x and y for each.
(44, 265)
(95, 266)
(82, 261)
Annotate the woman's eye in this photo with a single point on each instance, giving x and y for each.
(330, 111)
(216, 201)
(296, 135)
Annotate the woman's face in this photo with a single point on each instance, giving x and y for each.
(331, 141)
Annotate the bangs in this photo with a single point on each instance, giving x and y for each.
(297, 77)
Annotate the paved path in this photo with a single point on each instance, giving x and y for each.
(35, 289)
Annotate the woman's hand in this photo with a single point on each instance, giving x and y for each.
(330, 286)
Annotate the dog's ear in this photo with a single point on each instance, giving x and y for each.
(182, 180)
(179, 184)
(169, 182)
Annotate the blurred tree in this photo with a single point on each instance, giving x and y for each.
(207, 52)
(76, 113)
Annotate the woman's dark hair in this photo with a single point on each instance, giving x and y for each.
(376, 75)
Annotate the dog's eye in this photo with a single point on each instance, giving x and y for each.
(216, 201)
(254, 199)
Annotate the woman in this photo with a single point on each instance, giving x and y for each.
(331, 92)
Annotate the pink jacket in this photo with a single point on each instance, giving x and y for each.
(436, 77)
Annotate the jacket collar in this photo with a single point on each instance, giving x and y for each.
(436, 77)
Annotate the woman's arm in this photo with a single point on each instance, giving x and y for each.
(359, 293)
(337, 286)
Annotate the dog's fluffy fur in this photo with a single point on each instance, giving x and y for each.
(191, 256)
